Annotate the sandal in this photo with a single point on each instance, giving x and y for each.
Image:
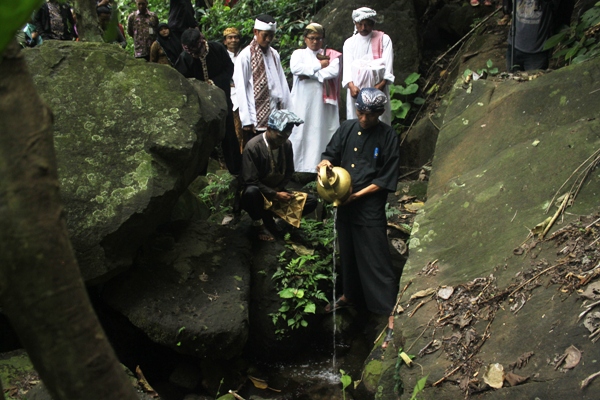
(339, 303)
(262, 233)
(389, 336)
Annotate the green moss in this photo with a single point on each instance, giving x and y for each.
(14, 369)
(489, 193)
(372, 373)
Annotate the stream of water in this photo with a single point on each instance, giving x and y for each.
(334, 276)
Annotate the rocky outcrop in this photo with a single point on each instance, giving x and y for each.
(504, 149)
(189, 291)
(129, 137)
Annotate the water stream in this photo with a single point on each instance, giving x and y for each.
(334, 276)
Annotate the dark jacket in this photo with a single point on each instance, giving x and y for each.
(42, 23)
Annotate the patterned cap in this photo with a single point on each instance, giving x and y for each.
(231, 31)
(363, 13)
(371, 100)
(280, 120)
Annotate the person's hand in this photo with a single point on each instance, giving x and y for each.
(34, 35)
(324, 63)
(381, 85)
(284, 196)
(353, 89)
(324, 163)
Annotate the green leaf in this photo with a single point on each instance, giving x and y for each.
(299, 293)
(403, 111)
(304, 323)
(285, 307)
(418, 101)
(554, 40)
(489, 63)
(395, 104)
(412, 78)
(291, 321)
(410, 89)
(346, 381)
(467, 72)
(13, 15)
(493, 71)
(419, 387)
(287, 293)
(310, 308)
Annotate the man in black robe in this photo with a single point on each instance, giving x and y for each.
(181, 17)
(268, 165)
(369, 150)
(210, 62)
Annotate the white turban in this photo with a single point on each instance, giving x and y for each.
(265, 26)
(363, 13)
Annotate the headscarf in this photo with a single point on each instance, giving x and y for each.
(264, 26)
(280, 120)
(371, 100)
(231, 31)
(314, 27)
(363, 13)
(170, 44)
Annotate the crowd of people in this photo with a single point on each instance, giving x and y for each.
(272, 132)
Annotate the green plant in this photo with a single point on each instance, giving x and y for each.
(302, 279)
(401, 96)
(482, 72)
(346, 381)
(578, 43)
(219, 388)
(419, 387)
(391, 211)
(217, 194)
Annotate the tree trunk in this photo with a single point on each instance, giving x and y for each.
(41, 289)
(87, 21)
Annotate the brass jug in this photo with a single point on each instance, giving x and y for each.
(334, 185)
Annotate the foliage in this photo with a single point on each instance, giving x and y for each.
(346, 381)
(419, 387)
(13, 15)
(299, 280)
(578, 43)
(217, 194)
(402, 97)
(391, 211)
(482, 72)
(126, 7)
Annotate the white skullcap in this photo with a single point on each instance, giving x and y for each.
(265, 26)
(363, 13)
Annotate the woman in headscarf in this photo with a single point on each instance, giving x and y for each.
(314, 98)
(166, 48)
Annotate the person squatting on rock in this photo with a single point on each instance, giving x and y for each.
(315, 96)
(142, 27)
(369, 150)
(259, 79)
(209, 62)
(535, 21)
(167, 48)
(54, 21)
(368, 61)
(268, 165)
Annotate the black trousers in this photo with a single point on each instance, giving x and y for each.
(254, 204)
(367, 266)
(527, 61)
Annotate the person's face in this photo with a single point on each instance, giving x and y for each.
(164, 32)
(314, 41)
(264, 38)
(276, 139)
(368, 119)
(232, 42)
(365, 26)
(142, 6)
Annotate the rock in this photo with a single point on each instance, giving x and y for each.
(129, 137)
(189, 293)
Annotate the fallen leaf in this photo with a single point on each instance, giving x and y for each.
(514, 379)
(535, 143)
(573, 357)
(445, 292)
(302, 250)
(227, 219)
(592, 321)
(258, 383)
(414, 206)
(406, 198)
(423, 293)
(494, 375)
(399, 245)
(539, 228)
(522, 360)
(592, 291)
(589, 379)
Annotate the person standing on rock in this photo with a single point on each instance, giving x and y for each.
(368, 61)
(231, 40)
(54, 21)
(369, 150)
(315, 97)
(259, 79)
(268, 166)
(142, 26)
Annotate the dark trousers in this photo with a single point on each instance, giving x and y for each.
(231, 147)
(526, 61)
(254, 204)
(367, 267)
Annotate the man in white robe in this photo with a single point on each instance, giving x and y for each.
(315, 96)
(259, 78)
(370, 48)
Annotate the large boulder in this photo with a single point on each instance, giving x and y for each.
(129, 137)
(504, 149)
(189, 290)
(397, 19)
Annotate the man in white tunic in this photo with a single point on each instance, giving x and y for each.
(231, 40)
(259, 78)
(368, 61)
(314, 97)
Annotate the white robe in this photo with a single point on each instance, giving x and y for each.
(244, 84)
(355, 48)
(320, 120)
